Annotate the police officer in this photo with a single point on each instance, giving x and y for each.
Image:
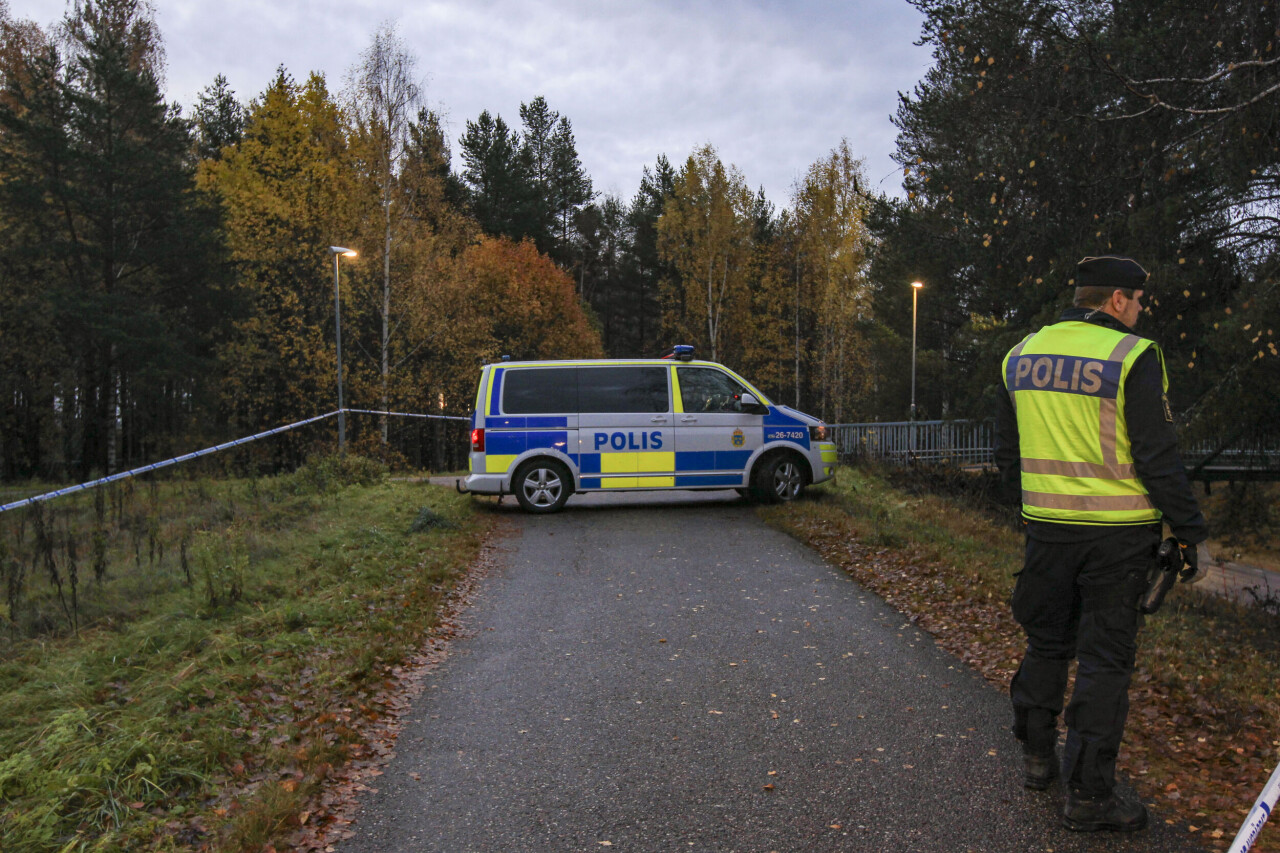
(1087, 433)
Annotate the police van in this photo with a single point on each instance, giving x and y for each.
(542, 430)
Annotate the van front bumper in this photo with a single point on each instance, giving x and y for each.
(825, 469)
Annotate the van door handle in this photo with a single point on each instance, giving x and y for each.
(657, 420)
(688, 420)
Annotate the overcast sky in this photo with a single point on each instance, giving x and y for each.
(773, 84)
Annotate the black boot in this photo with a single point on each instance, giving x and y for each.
(1039, 771)
(1090, 814)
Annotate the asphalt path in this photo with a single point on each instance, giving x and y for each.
(667, 673)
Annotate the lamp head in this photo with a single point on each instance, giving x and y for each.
(346, 253)
(917, 284)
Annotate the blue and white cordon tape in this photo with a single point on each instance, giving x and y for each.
(48, 496)
(1258, 815)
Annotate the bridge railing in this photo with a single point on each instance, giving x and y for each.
(971, 442)
(959, 442)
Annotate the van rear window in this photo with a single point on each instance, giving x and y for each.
(623, 389)
(540, 391)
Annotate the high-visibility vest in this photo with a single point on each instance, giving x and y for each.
(1067, 386)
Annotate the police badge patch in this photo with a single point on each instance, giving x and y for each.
(1168, 412)
(739, 439)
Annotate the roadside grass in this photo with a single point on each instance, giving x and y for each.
(206, 712)
(1204, 723)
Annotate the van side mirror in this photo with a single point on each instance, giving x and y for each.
(748, 404)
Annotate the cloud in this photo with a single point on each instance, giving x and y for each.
(773, 85)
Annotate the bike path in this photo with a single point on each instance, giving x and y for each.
(648, 673)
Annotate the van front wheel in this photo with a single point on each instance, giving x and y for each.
(542, 485)
(778, 478)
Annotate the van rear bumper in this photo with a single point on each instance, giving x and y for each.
(486, 484)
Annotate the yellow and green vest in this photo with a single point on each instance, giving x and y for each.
(1067, 386)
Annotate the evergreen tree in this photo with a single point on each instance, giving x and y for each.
(498, 176)
(125, 252)
(1046, 132)
(646, 270)
(219, 119)
(569, 188)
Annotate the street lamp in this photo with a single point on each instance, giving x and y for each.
(915, 292)
(339, 252)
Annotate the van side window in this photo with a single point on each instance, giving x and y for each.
(540, 391)
(704, 389)
(623, 389)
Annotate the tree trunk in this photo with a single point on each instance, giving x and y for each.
(386, 318)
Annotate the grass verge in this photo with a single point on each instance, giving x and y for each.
(1202, 736)
(211, 716)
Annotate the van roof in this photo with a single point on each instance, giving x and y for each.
(602, 362)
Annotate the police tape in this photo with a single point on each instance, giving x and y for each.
(408, 415)
(1258, 815)
(155, 466)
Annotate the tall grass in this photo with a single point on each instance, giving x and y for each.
(101, 555)
(195, 706)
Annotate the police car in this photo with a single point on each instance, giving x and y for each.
(542, 430)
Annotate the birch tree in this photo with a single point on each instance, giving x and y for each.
(831, 211)
(705, 231)
(384, 100)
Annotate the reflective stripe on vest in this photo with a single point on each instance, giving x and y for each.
(1075, 469)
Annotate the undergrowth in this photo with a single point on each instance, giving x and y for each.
(200, 712)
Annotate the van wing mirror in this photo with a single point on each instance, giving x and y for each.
(750, 405)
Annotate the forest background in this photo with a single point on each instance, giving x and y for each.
(166, 280)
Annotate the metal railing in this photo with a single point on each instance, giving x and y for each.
(960, 442)
(964, 443)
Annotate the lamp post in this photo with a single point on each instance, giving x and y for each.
(339, 252)
(915, 292)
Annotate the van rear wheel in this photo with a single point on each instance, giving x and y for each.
(542, 485)
(779, 478)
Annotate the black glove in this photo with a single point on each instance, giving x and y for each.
(1190, 563)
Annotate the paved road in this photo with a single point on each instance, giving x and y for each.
(668, 674)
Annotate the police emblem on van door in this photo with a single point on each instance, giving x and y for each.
(738, 438)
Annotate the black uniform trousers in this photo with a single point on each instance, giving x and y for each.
(1076, 597)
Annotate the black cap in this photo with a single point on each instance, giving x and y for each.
(1110, 271)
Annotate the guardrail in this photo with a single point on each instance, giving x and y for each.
(960, 442)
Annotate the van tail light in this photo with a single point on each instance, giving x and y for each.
(477, 440)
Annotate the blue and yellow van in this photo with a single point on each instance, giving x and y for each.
(542, 430)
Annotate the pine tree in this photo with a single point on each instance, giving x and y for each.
(219, 119)
(498, 177)
(102, 164)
